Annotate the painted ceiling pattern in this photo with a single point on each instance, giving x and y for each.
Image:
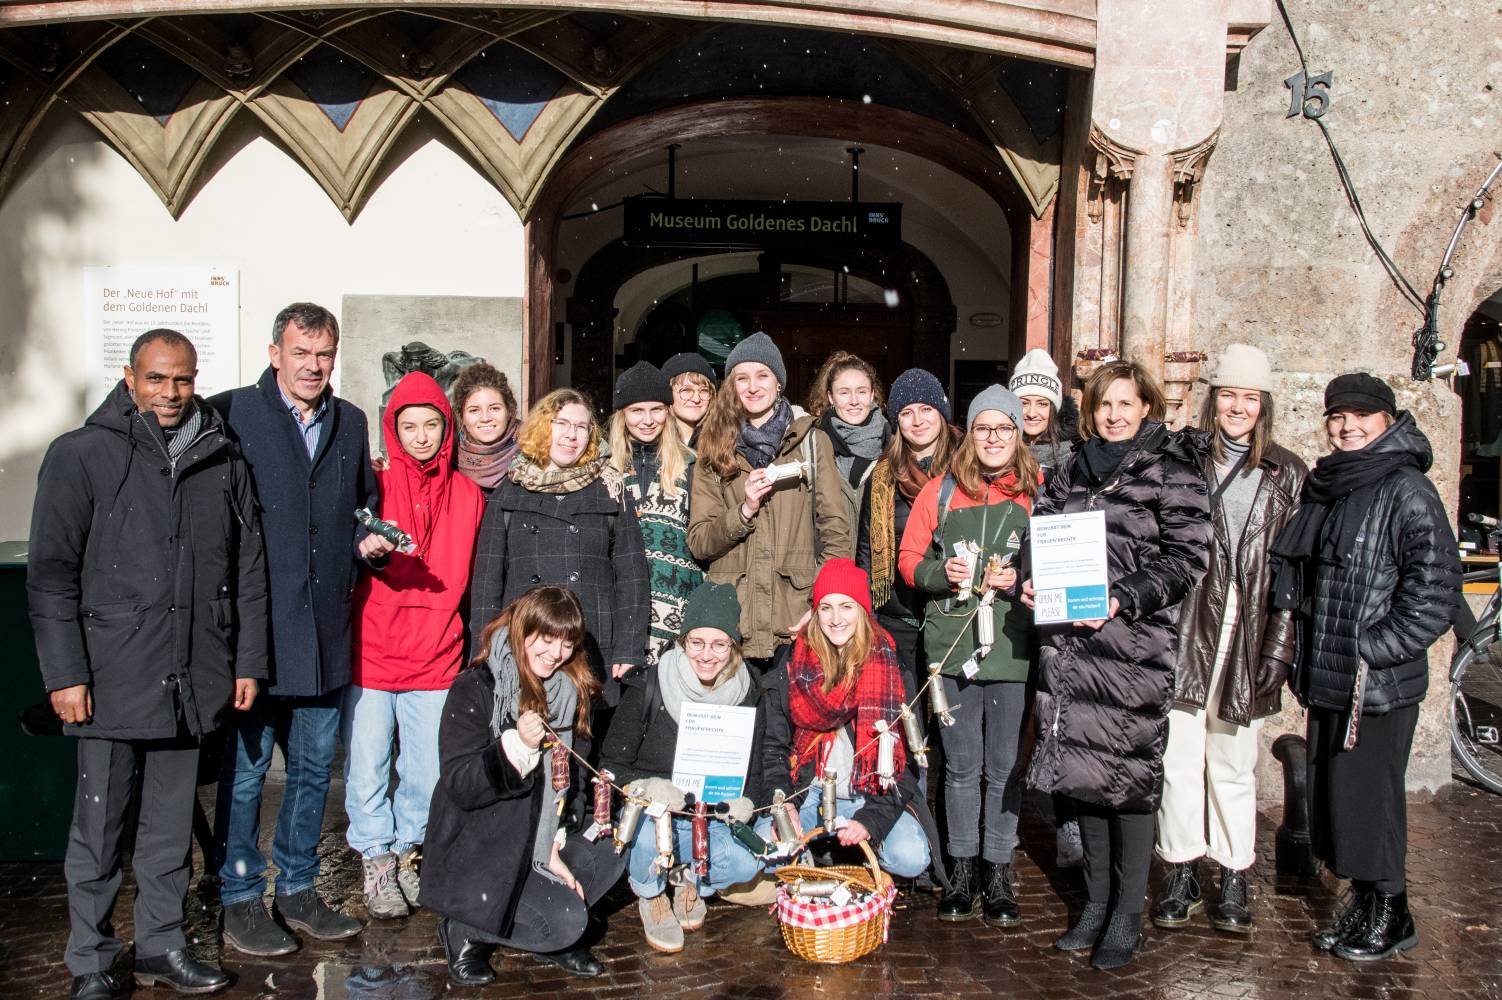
(514, 89)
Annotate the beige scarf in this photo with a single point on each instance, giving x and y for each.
(530, 476)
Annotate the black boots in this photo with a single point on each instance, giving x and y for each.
(575, 961)
(1234, 911)
(181, 972)
(307, 912)
(1119, 942)
(469, 960)
(1386, 929)
(1000, 906)
(1086, 930)
(100, 986)
(960, 901)
(1357, 901)
(249, 929)
(1181, 896)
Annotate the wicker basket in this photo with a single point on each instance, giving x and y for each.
(864, 928)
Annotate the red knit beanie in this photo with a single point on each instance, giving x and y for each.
(843, 576)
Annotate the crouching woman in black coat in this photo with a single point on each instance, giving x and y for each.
(1369, 564)
(498, 868)
(1105, 687)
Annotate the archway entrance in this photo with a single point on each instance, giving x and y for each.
(900, 301)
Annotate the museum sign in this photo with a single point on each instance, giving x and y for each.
(717, 223)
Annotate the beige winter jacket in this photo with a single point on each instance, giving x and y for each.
(772, 560)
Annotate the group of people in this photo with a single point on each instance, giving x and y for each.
(560, 589)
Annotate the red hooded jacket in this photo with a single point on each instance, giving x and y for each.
(408, 632)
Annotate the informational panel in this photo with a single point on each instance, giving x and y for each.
(201, 303)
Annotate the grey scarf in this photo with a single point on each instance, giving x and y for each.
(678, 683)
(563, 701)
(179, 438)
(861, 441)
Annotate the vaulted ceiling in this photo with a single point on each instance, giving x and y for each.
(514, 88)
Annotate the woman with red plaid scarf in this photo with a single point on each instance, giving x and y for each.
(828, 691)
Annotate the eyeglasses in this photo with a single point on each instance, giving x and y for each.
(1001, 432)
(564, 427)
(719, 647)
(692, 391)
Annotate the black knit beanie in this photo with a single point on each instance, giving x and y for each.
(642, 383)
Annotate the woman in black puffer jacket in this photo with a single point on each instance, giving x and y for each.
(1371, 567)
(1105, 688)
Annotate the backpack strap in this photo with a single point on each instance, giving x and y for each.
(946, 494)
(810, 455)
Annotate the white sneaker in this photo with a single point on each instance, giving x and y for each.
(1070, 851)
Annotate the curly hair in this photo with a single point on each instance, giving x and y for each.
(483, 376)
(535, 439)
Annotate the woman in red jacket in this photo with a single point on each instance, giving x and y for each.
(408, 642)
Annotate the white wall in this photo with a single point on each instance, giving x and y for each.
(434, 226)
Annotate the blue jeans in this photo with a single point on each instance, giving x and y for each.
(380, 822)
(729, 862)
(309, 731)
(904, 853)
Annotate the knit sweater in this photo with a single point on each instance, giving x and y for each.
(671, 569)
(1237, 499)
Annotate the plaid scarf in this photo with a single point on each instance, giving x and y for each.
(875, 695)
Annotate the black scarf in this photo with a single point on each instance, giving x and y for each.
(644, 459)
(1099, 459)
(1336, 497)
(760, 444)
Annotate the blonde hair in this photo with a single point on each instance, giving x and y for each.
(695, 378)
(1100, 381)
(841, 664)
(535, 439)
(967, 473)
(672, 454)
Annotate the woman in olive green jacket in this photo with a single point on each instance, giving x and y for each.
(766, 536)
(984, 499)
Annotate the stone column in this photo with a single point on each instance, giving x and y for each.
(1144, 295)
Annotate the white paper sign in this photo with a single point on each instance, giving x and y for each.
(1071, 575)
(714, 747)
(201, 303)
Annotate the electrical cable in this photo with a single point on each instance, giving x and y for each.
(1399, 280)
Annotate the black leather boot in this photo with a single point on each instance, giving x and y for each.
(1181, 896)
(181, 972)
(469, 960)
(100, 986)
(1086, 930)
(1000, 908)
(1234, 911)
(1357, 899)
(1387, 930)
(960, 901)
(1119, 942)
(575, 961)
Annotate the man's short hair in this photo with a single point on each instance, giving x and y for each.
(308, 316)
(169, 337)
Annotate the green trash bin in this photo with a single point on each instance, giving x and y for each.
(37, 781)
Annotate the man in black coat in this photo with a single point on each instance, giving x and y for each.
(147, 587)
(310, 462)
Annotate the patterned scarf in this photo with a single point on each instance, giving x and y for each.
(530, 476)
(876, 695)
(487, 464)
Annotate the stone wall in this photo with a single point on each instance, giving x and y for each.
(1282, 262)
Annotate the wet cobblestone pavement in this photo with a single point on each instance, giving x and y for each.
(1455, 875)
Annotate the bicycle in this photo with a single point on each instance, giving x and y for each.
(1476, 679)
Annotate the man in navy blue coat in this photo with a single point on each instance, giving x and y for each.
(310, 462)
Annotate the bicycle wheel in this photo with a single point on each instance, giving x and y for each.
(1476, 715)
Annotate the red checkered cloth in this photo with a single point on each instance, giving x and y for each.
(820, 915)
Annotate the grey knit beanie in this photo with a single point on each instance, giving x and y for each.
(713, 605)
(995, 397)
(759, 348)
(642, 383)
